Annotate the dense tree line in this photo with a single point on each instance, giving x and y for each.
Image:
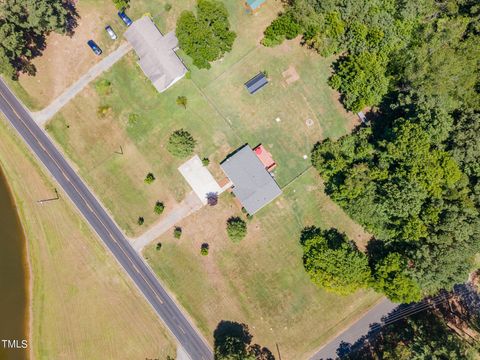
(422, 336)
(206, 36)
(24, 25)
(411, 177)
(375, 38)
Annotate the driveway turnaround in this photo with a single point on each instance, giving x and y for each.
(199, 178)
(42, 116)
(43, 148)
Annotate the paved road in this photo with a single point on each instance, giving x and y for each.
(189, 338)
(107, 62)
(357, 330)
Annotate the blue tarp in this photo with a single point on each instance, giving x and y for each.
(255, 4)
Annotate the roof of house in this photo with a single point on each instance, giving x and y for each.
(158, 59)
(256, 83)
(255, 4)
(252, 183)
(265, 157)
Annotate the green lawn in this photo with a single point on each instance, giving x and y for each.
(261, 281)
(94, 143)
(220, 114)
(254, 117)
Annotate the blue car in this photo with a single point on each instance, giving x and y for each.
(125, 18)
(93, 45)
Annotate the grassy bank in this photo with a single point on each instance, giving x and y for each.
(83, 305)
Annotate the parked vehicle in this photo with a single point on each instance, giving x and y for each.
(125, 18)
(110, 32)
(93, 45)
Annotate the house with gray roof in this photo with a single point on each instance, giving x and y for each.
(253, 185)
(156, 52)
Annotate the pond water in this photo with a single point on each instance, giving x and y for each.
(13, 279)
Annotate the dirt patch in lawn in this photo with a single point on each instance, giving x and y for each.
(65, 58)
(290, 75)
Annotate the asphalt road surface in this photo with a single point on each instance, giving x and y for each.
(188, 337)
(357, 330)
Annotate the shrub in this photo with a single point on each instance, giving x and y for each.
(140, 220)
(249, 217)
(188, 75)
(103, 110)
(159, 246)
(181, 144)
(168, 7)
(159, 207)
(212, 198)
(103, 87)
(182, 101)
(133, 119)
(236, 229)
(149, 178)
(204, 249)
(177, 232)
(121, 4)
(205, 161)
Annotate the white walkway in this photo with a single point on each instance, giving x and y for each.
(42, 116)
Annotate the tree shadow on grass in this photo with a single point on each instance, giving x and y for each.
(233, 340)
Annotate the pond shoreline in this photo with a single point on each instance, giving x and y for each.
(17, 266)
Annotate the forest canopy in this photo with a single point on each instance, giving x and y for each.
(411, 175)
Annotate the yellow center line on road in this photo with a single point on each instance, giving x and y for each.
(157, 295)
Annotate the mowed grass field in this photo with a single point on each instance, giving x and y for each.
(286, 118)
(83, 305)
(220, 114)
(114, 153)
(260, 281)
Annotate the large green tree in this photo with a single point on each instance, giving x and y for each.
(361, 79)
(24, 25)
(391, 278)
(233, 341)
(333, 262)
(206, 36)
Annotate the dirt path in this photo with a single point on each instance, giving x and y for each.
(41, 117)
